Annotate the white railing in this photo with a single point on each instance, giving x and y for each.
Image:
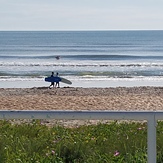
(150, 116)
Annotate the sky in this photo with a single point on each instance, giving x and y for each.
(81, 15)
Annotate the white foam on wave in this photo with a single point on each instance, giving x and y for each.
(5, 78)
(82, 63)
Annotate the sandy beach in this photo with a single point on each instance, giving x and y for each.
(75, 98)
(71, 98)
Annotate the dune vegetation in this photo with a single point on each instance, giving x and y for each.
(102, 143)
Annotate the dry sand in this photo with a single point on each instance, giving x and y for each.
(120, 98)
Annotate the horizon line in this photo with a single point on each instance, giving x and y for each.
(81, 30)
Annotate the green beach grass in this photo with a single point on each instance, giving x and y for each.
(103, 143)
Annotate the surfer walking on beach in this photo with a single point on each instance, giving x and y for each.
(57, 83)
(56, 79)
(52, 83)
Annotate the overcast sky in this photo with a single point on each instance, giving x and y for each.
(81, 14)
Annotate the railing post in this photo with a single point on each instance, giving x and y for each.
(151, 139)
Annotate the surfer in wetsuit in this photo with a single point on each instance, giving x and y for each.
(52, 83)
(57, 83)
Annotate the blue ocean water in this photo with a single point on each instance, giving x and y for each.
(82, 55)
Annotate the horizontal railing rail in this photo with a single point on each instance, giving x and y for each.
(150, 116)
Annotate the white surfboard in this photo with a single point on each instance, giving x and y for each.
(65, 81)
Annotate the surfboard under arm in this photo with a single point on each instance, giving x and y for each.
(65, 81)
(53, 79)
(58, 79)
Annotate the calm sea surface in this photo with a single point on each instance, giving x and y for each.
(83, 55)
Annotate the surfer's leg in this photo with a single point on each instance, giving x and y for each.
(57, 85)
(52, 84)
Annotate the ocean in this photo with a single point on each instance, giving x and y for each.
(87, 58)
